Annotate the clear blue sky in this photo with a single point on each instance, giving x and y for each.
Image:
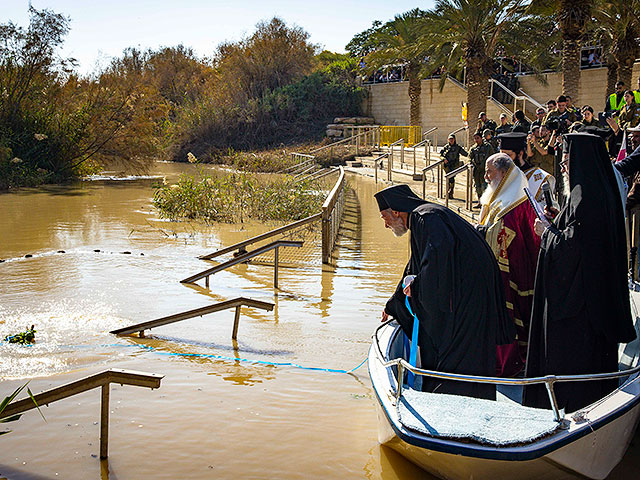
(101, 29)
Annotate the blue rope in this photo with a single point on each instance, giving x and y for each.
(223, 357)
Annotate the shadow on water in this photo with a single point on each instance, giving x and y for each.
(17, 474)
(384, 462)
(237, 347)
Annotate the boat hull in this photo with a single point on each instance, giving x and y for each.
(588, 449)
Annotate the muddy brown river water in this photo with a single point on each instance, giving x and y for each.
(213, 416)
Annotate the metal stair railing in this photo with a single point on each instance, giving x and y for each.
(375, 164)
(236, 303)
(439, 164)
(468, 190)
(102, 380)
(240, 246)
(243, 258)
(332, 210)
(433, 131)
(318, 174)
(516, 98)
(466, 137)
(391, 150)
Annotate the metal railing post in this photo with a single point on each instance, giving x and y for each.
(375, 169)
(275, 268)
(104, 421)
(440, 181)
(236, 323)
(468, 194)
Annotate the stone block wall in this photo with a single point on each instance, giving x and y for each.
(388, 103)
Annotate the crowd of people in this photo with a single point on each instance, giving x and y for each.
(539, 286)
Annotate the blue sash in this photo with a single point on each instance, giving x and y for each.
(413, 351)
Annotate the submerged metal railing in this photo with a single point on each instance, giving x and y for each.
(244, 258)
(332, 210)
(236, 303)
(548, 380)
(102, 380)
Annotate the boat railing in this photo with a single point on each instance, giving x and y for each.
(548, 380)
(103, 380)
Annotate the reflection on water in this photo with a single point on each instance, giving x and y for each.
(214, 416)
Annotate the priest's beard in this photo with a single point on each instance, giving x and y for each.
(397, 226)
(488, 193)
(565, 184)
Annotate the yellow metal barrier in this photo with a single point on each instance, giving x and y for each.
(411, 135)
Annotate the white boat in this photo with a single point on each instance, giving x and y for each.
(455, 437)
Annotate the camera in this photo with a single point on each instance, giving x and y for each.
(602, 118)
(558, 123)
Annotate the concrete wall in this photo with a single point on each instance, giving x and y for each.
(388, 103)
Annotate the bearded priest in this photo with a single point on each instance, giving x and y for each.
(507, 221)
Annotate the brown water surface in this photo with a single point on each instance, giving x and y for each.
(213, 417)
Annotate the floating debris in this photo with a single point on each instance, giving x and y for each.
(97, 250)
(23, 338)
(28, 255)
(61, 251)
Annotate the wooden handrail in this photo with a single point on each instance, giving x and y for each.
(243, 258)
(240, 245)
(103, 380)
(197, 312)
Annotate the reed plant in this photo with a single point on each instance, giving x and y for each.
(238, 197)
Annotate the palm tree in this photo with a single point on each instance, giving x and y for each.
(398, 41)
(617, 25)
(466, 33)
(573, 18)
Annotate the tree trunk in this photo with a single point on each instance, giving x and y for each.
(415, 88)
(571, 68)
(477, 92)
(612, 75)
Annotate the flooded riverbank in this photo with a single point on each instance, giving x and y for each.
(220, 412)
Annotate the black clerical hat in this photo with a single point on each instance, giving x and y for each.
(399, 198)
(603, 133)
(513, 141)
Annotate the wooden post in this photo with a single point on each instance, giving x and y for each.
(104, 422)
(236, 322)
(275, 268)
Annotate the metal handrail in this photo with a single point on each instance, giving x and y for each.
(531, 99)
(466, 140)
(452, 174)
(103, 380)
(427, 152)
(397, 142)
(298, 165)
(523, 98)
(439, 164)
(548, 380)
(240, 246)
(242, 259)
(375, 163)
(328, 207)
(339, 142)
(317, 175)
(198, 312)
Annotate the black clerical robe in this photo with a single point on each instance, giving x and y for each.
(581, 305)
(457, 297)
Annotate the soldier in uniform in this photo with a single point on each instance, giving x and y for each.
(478, 155)
(451, 156)
(489, 137)
(484, 122)
(505, 126)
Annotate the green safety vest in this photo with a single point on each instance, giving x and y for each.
(612, 102)
(636, 95)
